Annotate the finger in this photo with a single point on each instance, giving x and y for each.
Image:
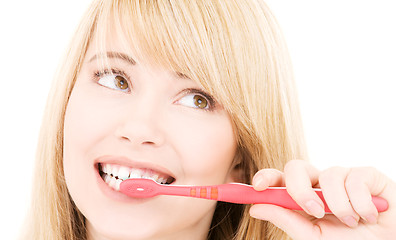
(360, 184)
(291, 222)
(266, 178)
(332, 183)
(300, 176)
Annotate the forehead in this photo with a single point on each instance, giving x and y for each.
(117, 55)
(111, 42)
(162, 39)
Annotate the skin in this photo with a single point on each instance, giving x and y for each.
(347, 192)
(156, 122)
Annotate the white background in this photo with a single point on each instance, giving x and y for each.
(344, 57)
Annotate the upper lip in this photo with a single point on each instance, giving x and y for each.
(124, 161)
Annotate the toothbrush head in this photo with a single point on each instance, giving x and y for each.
(139, 188)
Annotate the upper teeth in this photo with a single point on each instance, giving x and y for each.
(115, 174)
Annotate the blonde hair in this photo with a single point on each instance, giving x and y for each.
(233, 48)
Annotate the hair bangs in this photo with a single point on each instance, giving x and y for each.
(183, 37)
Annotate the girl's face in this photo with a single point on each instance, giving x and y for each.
(132, 120)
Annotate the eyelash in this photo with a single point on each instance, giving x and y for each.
(209, 98)
(101, 73)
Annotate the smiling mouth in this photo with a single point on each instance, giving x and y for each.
(114, 174)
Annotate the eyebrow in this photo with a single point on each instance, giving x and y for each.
(128, 59)
(118, 55)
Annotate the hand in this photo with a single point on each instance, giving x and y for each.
(347, 192)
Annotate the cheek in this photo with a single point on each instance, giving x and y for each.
(79, 127)
(88, 119)
(77, 135)
(85, 124)
(208, 149)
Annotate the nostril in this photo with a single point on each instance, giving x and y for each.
(142, 141)
(136, 140)
(140, 133)
(125, 138)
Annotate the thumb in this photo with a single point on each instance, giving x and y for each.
(294, 224)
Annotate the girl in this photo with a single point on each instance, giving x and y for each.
(188, 93)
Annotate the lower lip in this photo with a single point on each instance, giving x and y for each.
(113, 194)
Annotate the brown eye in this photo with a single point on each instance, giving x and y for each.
(200, 101)
(113, 81)
(121, 82)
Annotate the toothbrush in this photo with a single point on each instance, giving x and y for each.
(231, 192)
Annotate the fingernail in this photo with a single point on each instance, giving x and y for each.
(258, 181)
(370, 218)
(315, 209)
(350, 221)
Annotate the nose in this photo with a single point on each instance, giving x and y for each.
(141, 126)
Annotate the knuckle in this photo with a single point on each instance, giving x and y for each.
(342, 209)
(317, 231)
(261, 172)
(293, 164)
(370, 169)
(363, 171)
(328, 176)
(357, 176)
(352, 182)
(268, 172)
(363, 210)
(298, 194)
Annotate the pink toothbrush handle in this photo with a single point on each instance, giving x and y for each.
(234, 193)
(245, 194)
